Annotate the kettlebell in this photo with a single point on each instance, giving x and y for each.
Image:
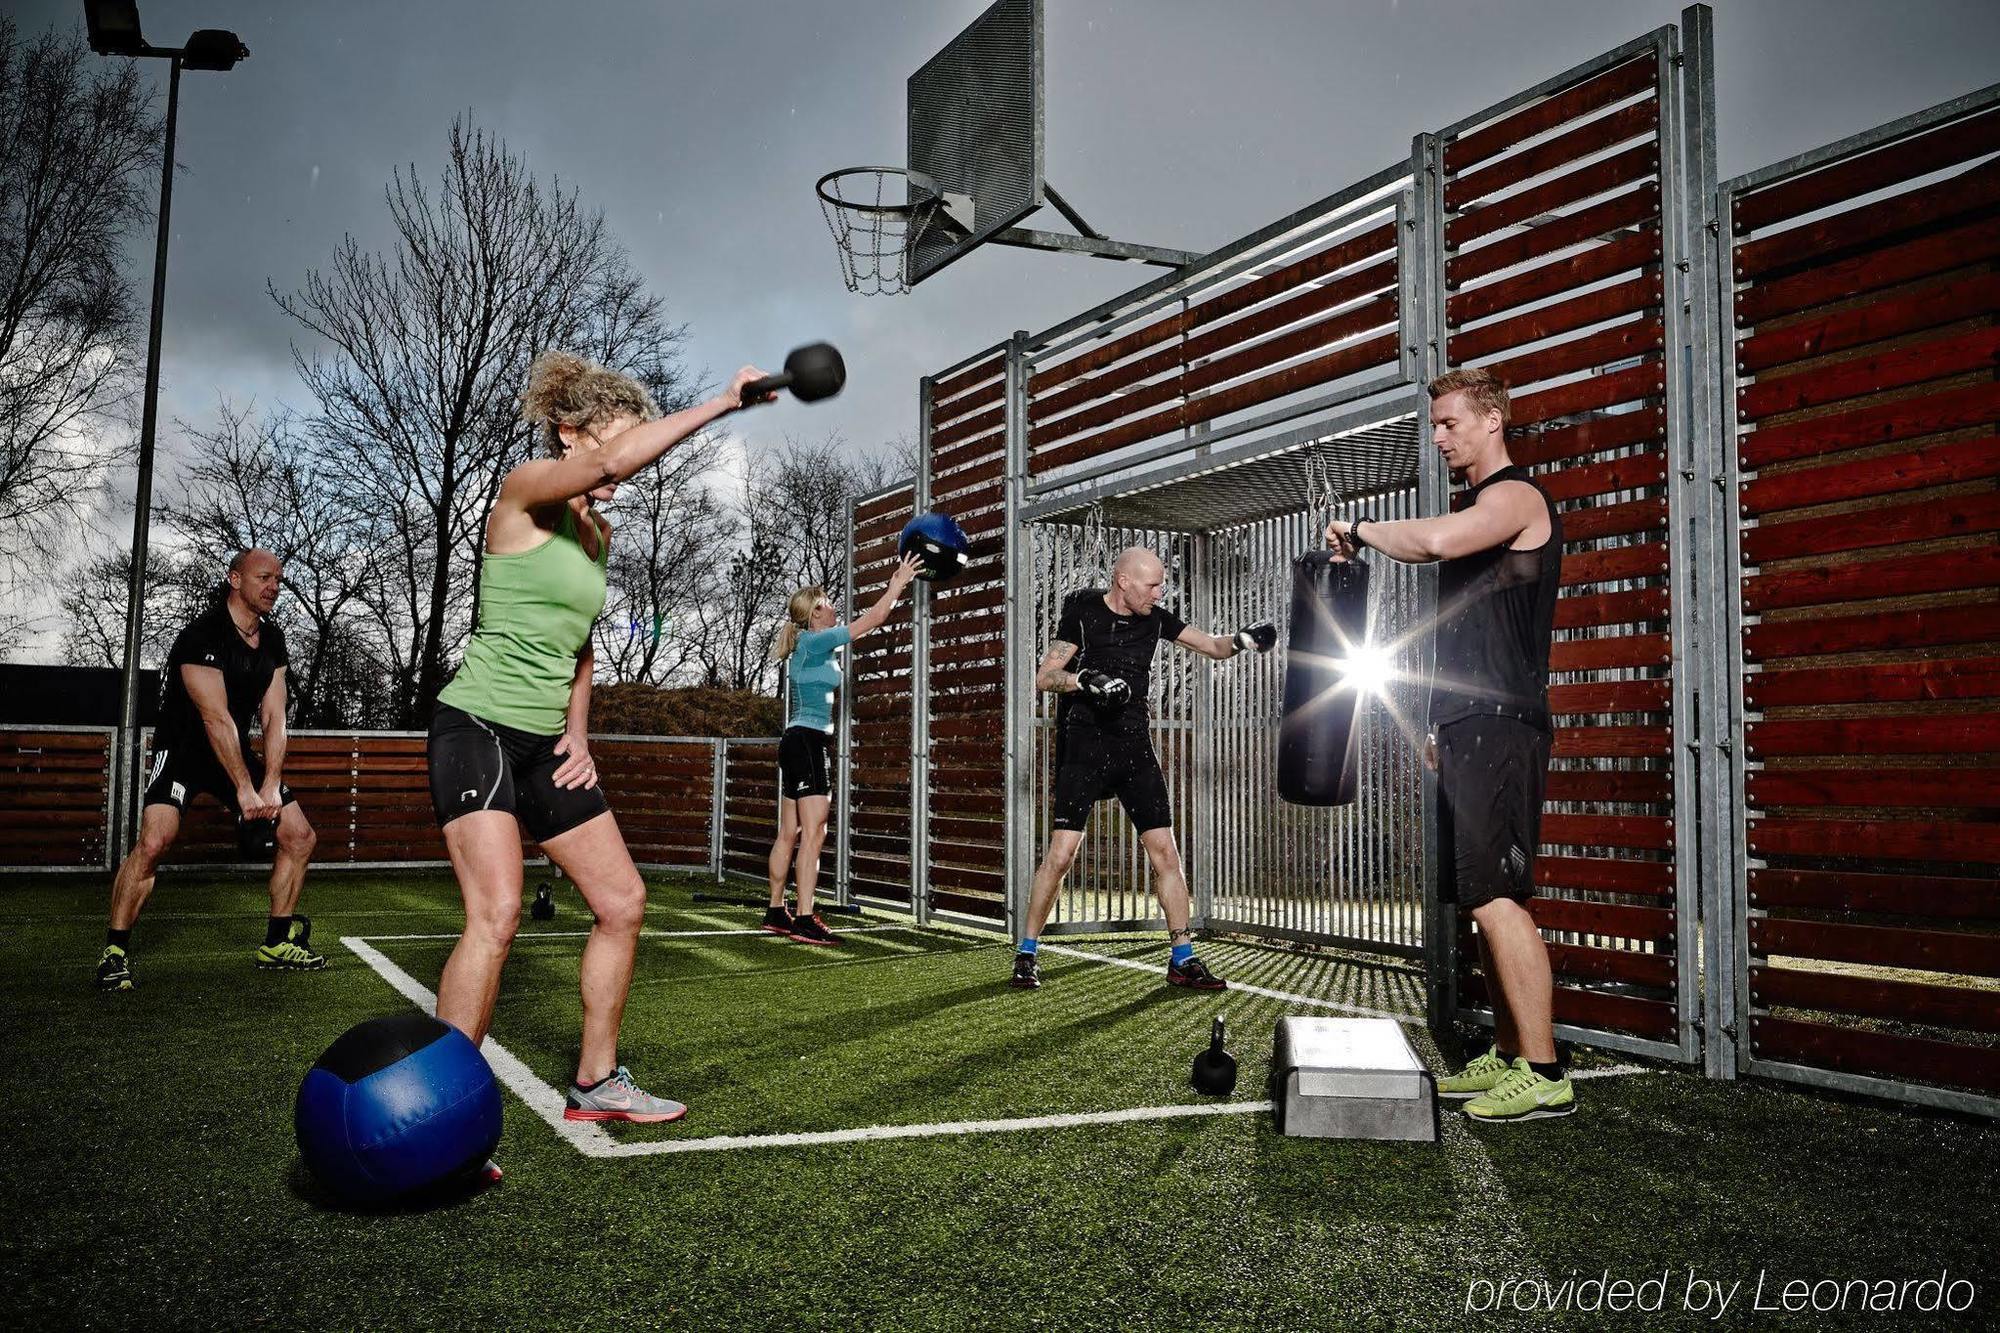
(1214, 1069)
(257, 839)
(812, 372)
(544, 908)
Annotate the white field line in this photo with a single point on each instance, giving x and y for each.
(590, 1140)
(643, 934)
(539, 1097)
(1289, 998)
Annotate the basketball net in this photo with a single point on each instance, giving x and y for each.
(873, 231)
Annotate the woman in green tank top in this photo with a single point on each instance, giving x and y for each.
(508, 749)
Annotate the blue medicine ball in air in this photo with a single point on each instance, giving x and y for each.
(394, 1105)
(938, 541)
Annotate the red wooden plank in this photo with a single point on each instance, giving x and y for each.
(1852, 1050)
(1347, 360)
(1581, 269)
(1594, 136)
(1902, 160)
(1553, 444)
(1860, 891)
(1968, 192)
(1600, 1010)
(1613, 520)
(1592, 393)
(1604, 875)
(1581, 568)
(1861, 479)
(1933, 628)
(1314, 300)
(965, 428)
(1615, 787)
(1629, 650)
(1877, 682)
(1649, 833)
(1612, 608)
(1897, 314)
(1641, 292)
(1973, 733)
(1314, 337)
(1627, 965)
(1920, 363)
(1580, 99)
(983, 447)
(1964, 788)
(1623, 696)
(1618, 343)
(1860, 580)
(1312, 268)
(1634, 208)
(1612, 742)
(1912, 1002)
(944, 390)
(1971, 243)
(1637, 163)
(1943, 841)
(1590, 480)
(1956, 952)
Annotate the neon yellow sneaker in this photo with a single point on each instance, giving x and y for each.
(287, 956)
(114, 970)
(1482, 1074)
(1523, 1095)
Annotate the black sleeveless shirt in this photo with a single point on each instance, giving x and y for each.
(1496, 616)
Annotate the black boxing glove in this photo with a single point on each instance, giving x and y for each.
(1260, 637)
(1105, 690)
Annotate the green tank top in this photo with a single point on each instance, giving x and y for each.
(535, 612)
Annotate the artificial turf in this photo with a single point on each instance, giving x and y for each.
(150, 1175)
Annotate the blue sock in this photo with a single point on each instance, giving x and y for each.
(1182, 952)
(1030, 946)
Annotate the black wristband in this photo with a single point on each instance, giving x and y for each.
(1354, 534)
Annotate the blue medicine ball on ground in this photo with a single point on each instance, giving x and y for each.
(938, 541)
(394, 1105)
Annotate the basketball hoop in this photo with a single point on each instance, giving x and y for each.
(873, 230)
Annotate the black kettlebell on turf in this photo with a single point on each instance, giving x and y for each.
(812, 372)
(544, 908)
(1215, 1069)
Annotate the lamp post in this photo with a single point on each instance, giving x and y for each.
(114, 31)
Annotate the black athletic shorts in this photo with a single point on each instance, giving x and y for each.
(802, 763)
(481, 765)
(1091, 766)
(1492, 772)
(179, 772)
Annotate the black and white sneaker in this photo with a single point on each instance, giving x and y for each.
(1027, 972)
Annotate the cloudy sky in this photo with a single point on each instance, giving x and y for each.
(699, 126)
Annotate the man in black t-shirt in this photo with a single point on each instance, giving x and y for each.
(1499, 560)
(227, 666)
(1101, 663)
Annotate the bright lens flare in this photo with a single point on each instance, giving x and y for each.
(1367, 671)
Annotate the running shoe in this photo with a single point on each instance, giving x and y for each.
(809, 929)
(114, 970)
(1523, 1095)
(287, 956)
(1194, 974)
(777, 920)
(1482, 1074)
(619, 1098)
(1027, 972)
(490, 1173)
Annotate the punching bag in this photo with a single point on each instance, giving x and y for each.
(1318, 740)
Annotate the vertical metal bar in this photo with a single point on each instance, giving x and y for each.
(1683, 503)
(1022, 638)
(920, 679)
(1707, 424)
(1426, 249)
(844, 737)
(718, 774)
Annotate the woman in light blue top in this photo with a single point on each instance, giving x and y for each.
(810, 645)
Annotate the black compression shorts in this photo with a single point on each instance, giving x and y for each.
(1093, 766)
(180, 772)
(802, 766)
(1492, 772)
(481, 765)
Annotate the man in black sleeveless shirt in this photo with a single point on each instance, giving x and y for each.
(1101, 664)
(1499, 557)
(227, 666)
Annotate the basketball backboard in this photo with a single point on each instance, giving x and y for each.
(975, 127)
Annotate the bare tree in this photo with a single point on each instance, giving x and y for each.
(425, 349)
(260, 483)
(663, 567)
(93, 605)
(76, 145)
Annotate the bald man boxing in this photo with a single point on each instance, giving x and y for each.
(1101, 663)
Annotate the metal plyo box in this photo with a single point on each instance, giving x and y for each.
(1351, 1078)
